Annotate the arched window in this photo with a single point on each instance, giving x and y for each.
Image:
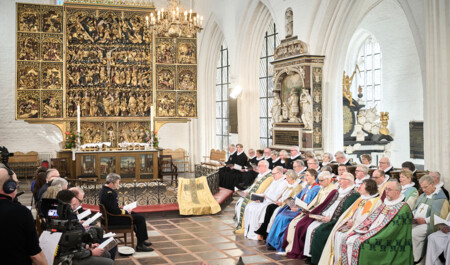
(369, 62)
(222, 84)
(270, 41)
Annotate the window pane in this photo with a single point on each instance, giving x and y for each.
(263, 87)
(369, 93)
(369, 48)
(225, 109)
(262, 68)
(377, 61)
(218, 126)
(224, 92)
(377, 77)
(263, 128)
(377, 93)
(369, 62)
(263, 107)
(225, 127)
(369, 77)
(218, 110)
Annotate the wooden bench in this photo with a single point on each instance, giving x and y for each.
(24, 165)
(179, 159)
(214, 158)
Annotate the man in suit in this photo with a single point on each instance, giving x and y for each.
(109, 198)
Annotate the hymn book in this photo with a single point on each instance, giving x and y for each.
(129, 207)
(301, 204)
(108, 244)
(438, 220)
(257, 197)
(92, 219)
(84, 214)
(237, 167)
(316, 216)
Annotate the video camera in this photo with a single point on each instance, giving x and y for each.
(5, 155)
(59, 217)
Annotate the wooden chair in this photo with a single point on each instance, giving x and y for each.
(118, 229)
(61, 165)
(179, 159)
(214, 158)
(167, 168)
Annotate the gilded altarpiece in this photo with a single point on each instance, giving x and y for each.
(107, 60)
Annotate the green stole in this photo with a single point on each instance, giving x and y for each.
(247, 199)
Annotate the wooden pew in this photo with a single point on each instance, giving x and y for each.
(214, 158)
(24, 165)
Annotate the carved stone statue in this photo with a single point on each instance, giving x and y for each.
(293, 106)
(285, 112)
(307, 116)
(289, 16)
(276, 109)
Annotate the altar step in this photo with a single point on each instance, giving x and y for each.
(222, 196)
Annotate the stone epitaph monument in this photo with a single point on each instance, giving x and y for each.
(297, 104)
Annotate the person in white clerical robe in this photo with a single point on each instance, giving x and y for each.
(430, 203)
(256, 210)
(261, 183)
(346, 186)
(438, 246)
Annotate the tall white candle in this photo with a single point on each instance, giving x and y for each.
(78, 120)
(151, 119)
(78, 126)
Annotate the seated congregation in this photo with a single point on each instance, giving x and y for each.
(322, 213)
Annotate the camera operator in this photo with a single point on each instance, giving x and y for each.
(76, 204)
(91, 254)
(108, 197)
(20, 243)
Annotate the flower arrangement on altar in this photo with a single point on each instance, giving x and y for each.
(71, 140)
(152, 135)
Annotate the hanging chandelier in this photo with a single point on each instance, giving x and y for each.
(175, 21)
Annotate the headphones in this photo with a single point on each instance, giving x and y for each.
(10, 185)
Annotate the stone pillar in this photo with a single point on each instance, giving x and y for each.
(436, 92)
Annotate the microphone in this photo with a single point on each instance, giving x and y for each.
(20, 193)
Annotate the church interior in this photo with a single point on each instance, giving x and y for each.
(165, 92)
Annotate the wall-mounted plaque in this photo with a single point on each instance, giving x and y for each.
(286, 137)
(416, 139)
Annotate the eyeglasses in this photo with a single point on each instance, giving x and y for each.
(322, 180)
(343, 179)
(81, 201)
(311, 163)
(383, 162)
